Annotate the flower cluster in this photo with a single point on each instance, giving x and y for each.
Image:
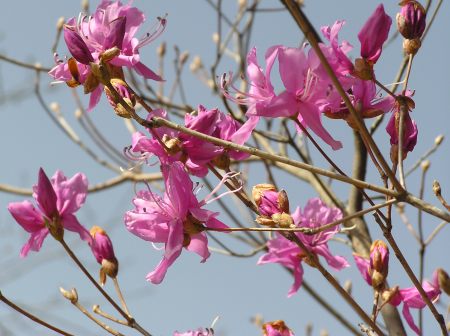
(288, 254)
(106, 37)
(308, 93)
(196, 154)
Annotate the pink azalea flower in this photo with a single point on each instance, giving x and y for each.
(337, 53)
(288, 254)
(303, 95)
(111, 25)
(176, 219)
(198, 332)
(196, 154)
(366, 102)
(260, 91)
(276, 328)
(373, 34)
(412, 299)
(57, 201)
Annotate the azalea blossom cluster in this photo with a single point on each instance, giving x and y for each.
(308, 94)
(108, 38)
(102, 44)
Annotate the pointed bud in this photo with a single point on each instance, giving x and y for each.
(103, 251)
(443, 281)
(71, 295)
(411, 20)
(116, 33)
(439, 140)
(379, 263)
(258, 191)
(283, 201)
(425, 165)
(77, 47)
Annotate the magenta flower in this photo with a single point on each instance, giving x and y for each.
(373, 34)
(111, 25)
(337, 54)
(288, 254)
(412, 299)
(276, 328)
(303, 95)
(57, 202)
(260, 92)
(198, 332)
(196, 154)
(176, 219)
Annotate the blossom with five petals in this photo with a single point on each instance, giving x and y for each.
(57, 201)
(176, 219)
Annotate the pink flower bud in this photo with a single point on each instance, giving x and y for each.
(411, 20)
(103, 251)
(269, 200)
(374, 33)
(77, 47)
(276, 328)
(379, 263)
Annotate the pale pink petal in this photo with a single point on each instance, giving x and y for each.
(363, 267)
(199, 245)
(94, 98)
(70, 222)
(409, 319)
(337, 262)
(311, 117)
(27, 216)
(34, 243)
(71, 193)
(292, 68)
(298, 279)
(146, 72)
(146, 226)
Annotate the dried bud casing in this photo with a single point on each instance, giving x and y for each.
(443, 280)
(283, 201)
(222, 161)
(363, 69)
(259, 189)
(172, 145)
(283, 220)
(411, 47)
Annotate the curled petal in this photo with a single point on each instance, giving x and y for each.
(34, 243)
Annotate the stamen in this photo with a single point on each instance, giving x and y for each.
(208, 199)
(157, 29)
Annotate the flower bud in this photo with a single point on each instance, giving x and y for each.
(379, 263)
(425, 165)
(77, 47)
(439, 140)
(103, 251)
(71, 295)
(443, 281)
(411, 20)
(283, 220)
(258, 191)
(276, 328)
(122, 89)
